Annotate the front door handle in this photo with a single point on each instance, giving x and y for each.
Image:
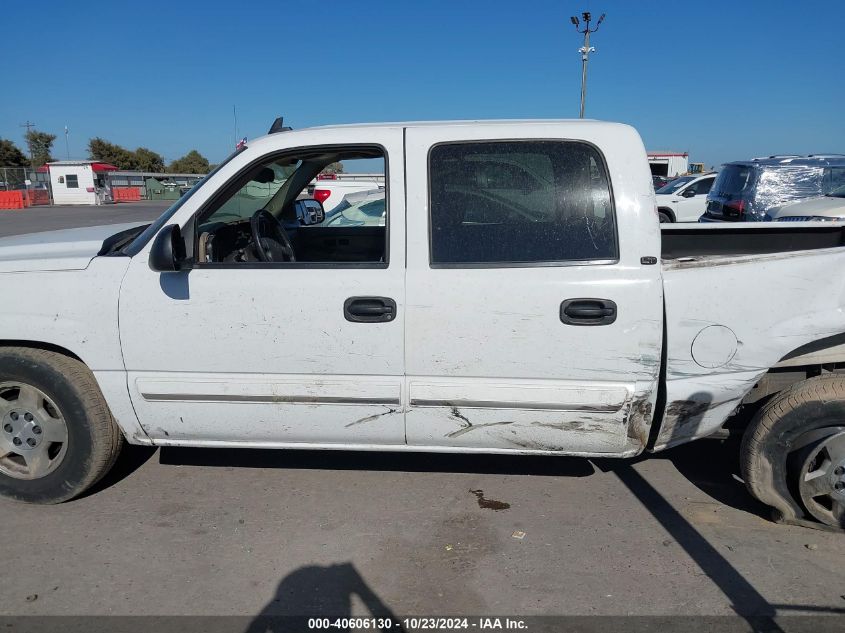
(588, 312)
(369, 309)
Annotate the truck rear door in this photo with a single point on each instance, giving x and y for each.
(531, 323)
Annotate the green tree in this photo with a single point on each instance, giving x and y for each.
(148, 160)
(333, 168)
(11, 155)
(191, 163)
(40, 144)
(100, 149)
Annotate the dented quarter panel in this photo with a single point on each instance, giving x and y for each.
(773, 304)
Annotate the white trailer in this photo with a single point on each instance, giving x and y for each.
(669, 164)
(79, 181)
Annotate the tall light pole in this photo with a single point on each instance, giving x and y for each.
(585, 50)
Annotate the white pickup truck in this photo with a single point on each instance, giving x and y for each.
(517, 298)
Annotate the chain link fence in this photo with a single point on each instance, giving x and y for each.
(34, 182)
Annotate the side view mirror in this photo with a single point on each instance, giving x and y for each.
(167, 253)
(309, 211)
(688, 193)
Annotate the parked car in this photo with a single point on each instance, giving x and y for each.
(684, 199)
(330, 193)
(659, 181)
(365, 208)
(746, 191)
(518, 300)
(829, 207)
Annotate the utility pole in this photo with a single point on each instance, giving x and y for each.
(67, 147)
(28, 127)
(585, 50)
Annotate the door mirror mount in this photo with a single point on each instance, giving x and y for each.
(167, 253)
(689, 193)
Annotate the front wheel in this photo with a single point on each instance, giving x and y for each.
(57, 436)
(664, 217)
(793, 452)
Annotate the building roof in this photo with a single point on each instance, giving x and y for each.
(95, 164)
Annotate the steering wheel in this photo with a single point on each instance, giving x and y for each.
(270, 238)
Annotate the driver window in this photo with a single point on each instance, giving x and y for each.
(326, 206)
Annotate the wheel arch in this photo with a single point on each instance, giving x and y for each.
(49, 347)
(112, 385)
(668, 212)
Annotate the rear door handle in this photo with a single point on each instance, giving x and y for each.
(369, 309)
(588, 312)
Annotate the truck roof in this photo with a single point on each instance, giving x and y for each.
(594, 124)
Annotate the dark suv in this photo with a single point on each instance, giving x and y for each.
(745, 190)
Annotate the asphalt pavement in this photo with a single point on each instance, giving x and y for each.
(244, 532)
(50, 218)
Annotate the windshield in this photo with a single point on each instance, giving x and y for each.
(135, 246)
(734, 180)
(839, 192)
(369, 211)
(674, 185)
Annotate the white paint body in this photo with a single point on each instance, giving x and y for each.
(477, 359)
(825, 207)
(337, 189)
(682, 207)
(62, 193)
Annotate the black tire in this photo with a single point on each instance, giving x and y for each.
(776, 435)
(664, 217)
(93, 438)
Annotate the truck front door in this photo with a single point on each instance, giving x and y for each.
(532, 323)
(240, 350)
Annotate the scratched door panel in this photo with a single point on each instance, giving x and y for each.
(490, 362)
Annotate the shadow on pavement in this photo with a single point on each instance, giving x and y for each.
(131, 458)
(317, 591)
(712, 466)
(378, 461)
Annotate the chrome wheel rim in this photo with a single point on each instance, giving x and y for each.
(821, 481)
(33, 433)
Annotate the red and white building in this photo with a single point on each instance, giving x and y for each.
(80, 181)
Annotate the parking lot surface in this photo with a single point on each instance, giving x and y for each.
(240, 532)
(50, 218)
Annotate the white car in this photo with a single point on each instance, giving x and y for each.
(829, 207)
(365, 208)
(684, 199)
(330, 193)
(518, 298)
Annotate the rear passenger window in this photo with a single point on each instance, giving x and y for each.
(519, 202)
(702, 187)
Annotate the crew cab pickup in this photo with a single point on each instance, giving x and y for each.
(515, 297)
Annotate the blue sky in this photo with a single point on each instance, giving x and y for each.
(723, 80)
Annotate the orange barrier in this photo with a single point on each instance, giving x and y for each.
(126, 194)
(11, 200)
(39, 196)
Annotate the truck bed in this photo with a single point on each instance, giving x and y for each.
(707, 240)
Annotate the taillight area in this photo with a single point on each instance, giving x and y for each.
(736, 206)
(321, 195)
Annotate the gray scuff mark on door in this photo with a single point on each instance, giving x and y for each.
(473, 427)
(573, 425)
(370, 418)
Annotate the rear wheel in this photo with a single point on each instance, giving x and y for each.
(57, 436)
(793, 452)
(664, 217)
